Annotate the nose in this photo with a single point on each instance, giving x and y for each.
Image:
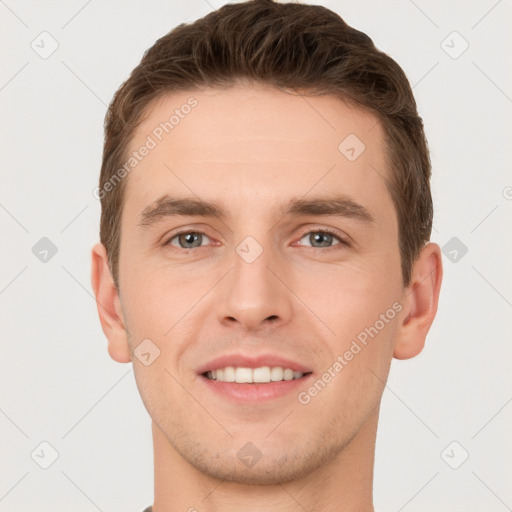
(254, 294)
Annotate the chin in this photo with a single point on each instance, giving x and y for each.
(266, 467)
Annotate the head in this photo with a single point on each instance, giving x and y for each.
(305, 141)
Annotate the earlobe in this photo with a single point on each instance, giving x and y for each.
(109, 306)
(421, 299)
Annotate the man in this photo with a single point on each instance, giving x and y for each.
(264, 254)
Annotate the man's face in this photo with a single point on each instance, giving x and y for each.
(259, 281)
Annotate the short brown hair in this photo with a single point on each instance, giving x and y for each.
(289, 46)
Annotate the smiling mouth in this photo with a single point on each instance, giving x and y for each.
(260, 375)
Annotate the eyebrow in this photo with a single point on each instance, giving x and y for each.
(337, 206)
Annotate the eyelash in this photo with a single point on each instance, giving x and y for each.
(323, 231)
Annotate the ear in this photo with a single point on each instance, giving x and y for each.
(420, 301)
(109, 306)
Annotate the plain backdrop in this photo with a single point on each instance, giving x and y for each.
(442, 443)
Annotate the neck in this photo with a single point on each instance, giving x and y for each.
(343, 484)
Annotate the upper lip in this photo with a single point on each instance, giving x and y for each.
(252, 361)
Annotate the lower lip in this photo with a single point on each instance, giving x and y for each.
(264, 392)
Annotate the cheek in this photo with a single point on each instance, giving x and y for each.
(352, 297)
(156, 388)
(362, 311)
(161, 306)
(149, 290)
(363, 364)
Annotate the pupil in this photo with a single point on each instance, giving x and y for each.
(189, 237)
(320, 236)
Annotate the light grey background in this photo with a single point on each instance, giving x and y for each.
(57, 382)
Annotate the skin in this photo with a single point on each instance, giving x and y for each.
(249, 148)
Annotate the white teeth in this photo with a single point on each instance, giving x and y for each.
(229, 374)
(276, 373)
(243, 375)
(261, 374)
(253, 375)
(288, 374)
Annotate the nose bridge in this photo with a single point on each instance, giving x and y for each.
(253, 295)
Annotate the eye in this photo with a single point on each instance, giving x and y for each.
(322, 237)
(187, 239)
(318, 239)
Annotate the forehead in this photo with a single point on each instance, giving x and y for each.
(245, 113)
(254, 141)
